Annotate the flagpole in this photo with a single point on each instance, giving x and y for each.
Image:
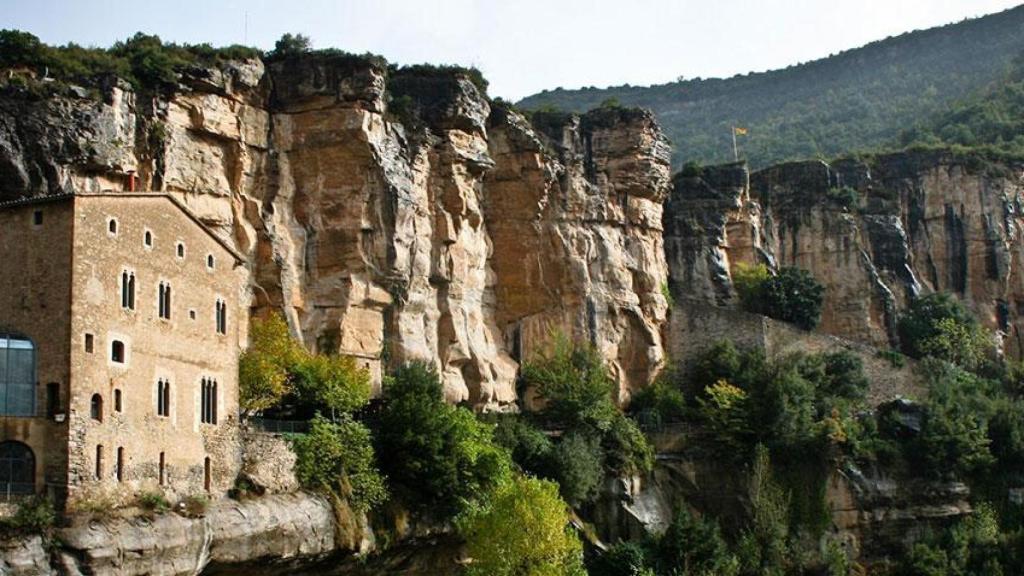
(735, 151)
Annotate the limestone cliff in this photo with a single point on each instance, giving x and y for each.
(388, 212)
(875, 232)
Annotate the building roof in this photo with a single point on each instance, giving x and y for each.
(31, 200)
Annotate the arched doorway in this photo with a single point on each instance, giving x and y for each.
(17, 469)
(17, 376)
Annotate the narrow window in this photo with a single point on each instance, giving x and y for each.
(128, 290)
(118, 406)
(147, 239)
(96, 408)
(208, 401)
(52, 399)
(117, 351)
(192, 314)
(207, 474)
(209, 261)
(37, 218)
(120, 464)
(164, 300)
(89, 343)
(112, 226)
(163, 464)
(99, 461)
(181, 250)
(222, 317)
(163, 398)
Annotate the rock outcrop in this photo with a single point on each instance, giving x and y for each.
(387, 212)
(875, 232)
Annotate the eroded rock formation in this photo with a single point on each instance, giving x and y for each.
(876, 233)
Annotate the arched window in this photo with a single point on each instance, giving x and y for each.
(163, 468)
(118, 405)
(164, 300)
(147, 239)
(207, 474)
(119, 468)
(112, 226)
(99, 461)
(209, 261)
(221, 309)
(17, 468)
(17, 376)
(128, 290)
(208, 401)
(117, 351)
(180, 249)
(96, 408)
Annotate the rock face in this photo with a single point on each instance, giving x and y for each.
(574, 210)
(876, 233)
(388, 213)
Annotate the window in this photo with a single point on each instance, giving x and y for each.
(163, 465)
(209, 261)
(164, 300)
(191, 314)
(207, 473)
(17, 468)
(117, 351)
(180, 249)
(52, 399)
(112, 226)
(119, 467)
(99, 461)
(17, 376)
(96, 408)
(163, 397)
(208, 401)
(147, 239)
(222, 317)
(128, 290)
(118, 405)
(37, 218)
(89, 340)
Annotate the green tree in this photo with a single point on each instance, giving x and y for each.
(693, 546)
(291, 45)
(265, 367)
(440, 454)
(332, 383)
(576, 462)
(793, 296)
(763, 548)
(574, 384)
(19, 48)
(523, 531)
(338, 456)
(940, 326)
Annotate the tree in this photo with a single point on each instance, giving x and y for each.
(264, 368)
(794, 296)
(940, 326)
(19, 48)
(440, 454)
(335, 384)
(523, 531)
(338, 456)
(576, 463)
(693, 546)
(574, 383)
(291, 45)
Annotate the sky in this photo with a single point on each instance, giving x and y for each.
(522, 46)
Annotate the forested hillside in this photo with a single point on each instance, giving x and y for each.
(858, 99)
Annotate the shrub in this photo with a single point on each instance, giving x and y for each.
(694, 546)
(763, 548)
(334, 383)
(793, 296)
(662, 401)
(627, 450)
(940, 326)
(725, 410)
(529, 446)
(339, 457)
(153, 502)
(194, 506)
(843, 376)
(576, 462)
(574, 383)
(264, 368)
(748, 280)
(291, 45)
(441, 454)
(35, 514)
(522, 531)
(622, 559)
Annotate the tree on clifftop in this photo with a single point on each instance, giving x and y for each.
(291, 44)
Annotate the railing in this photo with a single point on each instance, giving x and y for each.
(279, 426)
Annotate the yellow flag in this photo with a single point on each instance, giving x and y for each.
(740, 131)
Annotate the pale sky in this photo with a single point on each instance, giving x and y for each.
(522, 46)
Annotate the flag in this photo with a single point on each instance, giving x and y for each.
(740, 131)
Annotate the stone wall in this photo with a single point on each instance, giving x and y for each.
(268, 461)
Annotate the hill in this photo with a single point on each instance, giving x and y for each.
(858, 99)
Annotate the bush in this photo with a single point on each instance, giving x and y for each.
(194, 506)
(763, 548)
(264, 368)
(627, 450)
(576, 462)
(843, 376)
(748, 280)
(725, 410)
(335, 384)
(339, 457)
(622, 559)
(153, 502)
(574, 383)
(662, 401)
(35, 514)
(940, 326)
(522, 531)
(694, 547)
(793, 296)
(291, 45)
(440, 454)
(529, 446)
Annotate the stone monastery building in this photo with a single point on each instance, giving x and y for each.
(120, 330)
